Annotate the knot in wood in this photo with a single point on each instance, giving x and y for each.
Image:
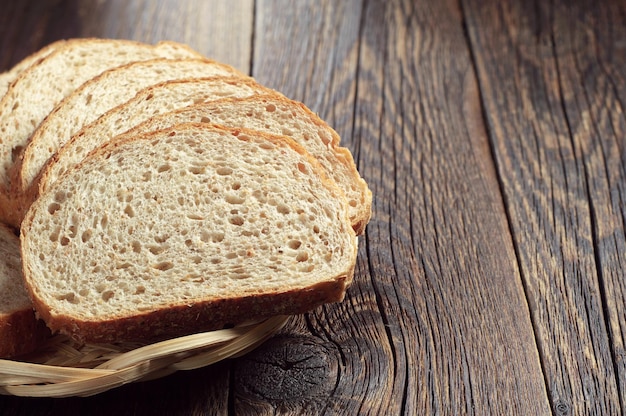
(562, 408)
(288, 369)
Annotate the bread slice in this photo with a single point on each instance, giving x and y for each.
(40, 87)
(94, 98)
(275, 114)
(7, 77)
(186, 229)
(149, 102)
(20, 331)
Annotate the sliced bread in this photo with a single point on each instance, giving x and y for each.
(6, 78)
(20, 331)
(186, 229)
(149, 102)
(94, 98)
(39, 88)
(275, 114)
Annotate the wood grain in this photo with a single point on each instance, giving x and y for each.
(221, 30)
(309, 52)
(492, 134)
(440, 256)
(425, 262)
(553, 104)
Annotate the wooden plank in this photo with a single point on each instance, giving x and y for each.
(441, 256)
(551, 75)
(438, 248)
(308, 50)
(221, 30)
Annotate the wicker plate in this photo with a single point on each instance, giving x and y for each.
(62, 370)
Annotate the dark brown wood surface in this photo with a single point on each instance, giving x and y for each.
(491, 279)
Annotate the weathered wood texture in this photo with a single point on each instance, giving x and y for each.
(440, 256)
(552, 78)
(429, 268)
(490, 280)
(222, 30)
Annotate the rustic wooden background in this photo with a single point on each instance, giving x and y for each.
(491, 279)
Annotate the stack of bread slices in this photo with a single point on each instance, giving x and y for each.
(149, 192)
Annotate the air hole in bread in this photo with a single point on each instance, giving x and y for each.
(194, 217)
(104, 221)
(283, 209)
(149, 97)
(353, 203)
(161, 238)
(139, 290)
(129, 211)
(197, 170)
(146, 176)
(136, 246)
(295, 244)
(64, 241)
(156, 250)
(302, 168)
(224, 171)
(163, 266)
(107, 295)
(302, 256)
(69, 297)
(123, 195)
(261, 197)
(236, 220)
(234, 199)
(205, 119)
(54, 237)
(240, 276)
(316, 229)
(60, 196)
(287, 132)
(231, 255)
(15, 152)
(247, 233)
(270, 108)
(235, 186)
(53, 207)
(164, 168)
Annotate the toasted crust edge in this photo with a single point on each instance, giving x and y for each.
(21, 333)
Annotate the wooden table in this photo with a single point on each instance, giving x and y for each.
(491, 279)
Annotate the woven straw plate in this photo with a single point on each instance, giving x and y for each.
(61, 369)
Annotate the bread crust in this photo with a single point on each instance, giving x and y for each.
(21, 333)
(179, 320)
